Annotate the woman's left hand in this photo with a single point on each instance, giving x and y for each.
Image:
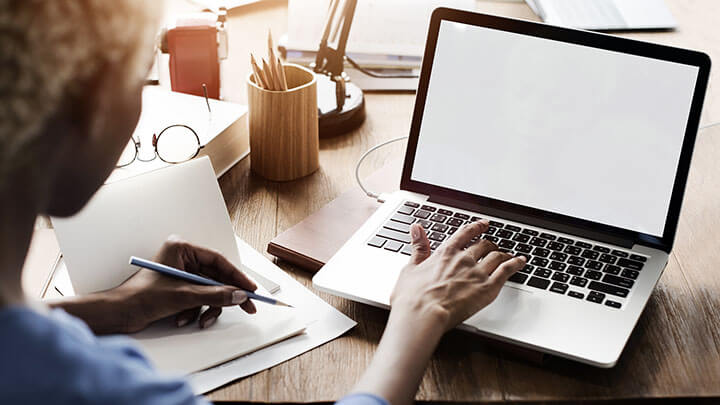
(148, 296)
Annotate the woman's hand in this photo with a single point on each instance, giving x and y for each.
(148, 296)
(455, 282)
(434, 293)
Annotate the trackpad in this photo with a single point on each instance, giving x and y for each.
(514, 308)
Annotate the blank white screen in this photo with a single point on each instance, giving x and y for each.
(569, 129)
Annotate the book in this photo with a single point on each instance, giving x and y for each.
(222, 131)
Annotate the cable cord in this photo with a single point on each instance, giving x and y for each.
(709, 125)
(359, 163)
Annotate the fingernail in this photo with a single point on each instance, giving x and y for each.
(238, 297)
(522, 258)
(209, 322)
(415, 231)
(182, 322)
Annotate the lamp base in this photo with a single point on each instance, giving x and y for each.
(333, 122)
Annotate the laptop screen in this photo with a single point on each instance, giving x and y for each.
(570, 129)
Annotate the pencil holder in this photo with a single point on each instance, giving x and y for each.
(283, 127)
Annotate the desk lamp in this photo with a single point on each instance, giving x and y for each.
(341, 104)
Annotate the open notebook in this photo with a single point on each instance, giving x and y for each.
(134, 217)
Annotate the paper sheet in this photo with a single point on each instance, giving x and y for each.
(325, 323)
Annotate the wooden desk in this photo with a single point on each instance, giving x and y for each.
(674, 351)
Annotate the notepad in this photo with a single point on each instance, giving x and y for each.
(134, 217)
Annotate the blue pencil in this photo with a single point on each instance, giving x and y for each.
(194, 278)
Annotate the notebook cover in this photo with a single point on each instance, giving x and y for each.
(313, 241)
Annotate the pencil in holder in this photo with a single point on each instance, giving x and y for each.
(283, 126)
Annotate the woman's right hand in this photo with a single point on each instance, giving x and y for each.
(455, 281)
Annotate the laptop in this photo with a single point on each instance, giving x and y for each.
(605, 15)
(575, 145)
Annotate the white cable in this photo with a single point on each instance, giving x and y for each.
(368, 152)
(709, 125)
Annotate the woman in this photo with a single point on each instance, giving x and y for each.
(70, 91)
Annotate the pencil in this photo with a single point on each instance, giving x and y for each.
(283, 79)
(256, 69)
(270, 76)
(274, 65)
(194, 278)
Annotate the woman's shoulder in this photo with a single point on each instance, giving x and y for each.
(54, 356)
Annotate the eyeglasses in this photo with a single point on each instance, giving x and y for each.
(174, 144)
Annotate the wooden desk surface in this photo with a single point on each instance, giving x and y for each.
(673, 352)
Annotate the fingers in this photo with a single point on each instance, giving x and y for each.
(420, 244)
(493, 260)
(208, 318)
(187, 316)
(481, 249)
(214, 265)
(220, 296)
(249, 307)
(464, 235)
(503, 272)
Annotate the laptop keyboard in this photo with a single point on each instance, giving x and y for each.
(555, 263)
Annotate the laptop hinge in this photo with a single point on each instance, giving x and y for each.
(537, 221)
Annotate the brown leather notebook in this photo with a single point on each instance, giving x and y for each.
(314, 240)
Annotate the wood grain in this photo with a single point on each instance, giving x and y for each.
(674, 350)
(283, 127)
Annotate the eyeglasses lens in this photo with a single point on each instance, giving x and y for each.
(177, 144)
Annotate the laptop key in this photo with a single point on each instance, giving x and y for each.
(376, 242)
(548, 236)
(530, 232)
(407, 250)
(497, 224)
(513, 228)
(506, 244)
(406, 210)
(579, 281)
(606, 258)
(609, 289)
(618, 281)
(518, 278)
(583, 245)
(491, 238)
(593, 275)
(590, 254)
(632, 274)
(638, 258)
(538, 242)
(519, 237)
(558, 256)
(438, 218)
(424, 223)
(601, 249)
(540, 252)
(434, 245)
(402, 218)
(397, 226)
(612, 269)
(544, 273)
(428, 208)
(422, 214)
(440, 227)
(592, 264)
(529, 268)
(437, 236)
(451, 230)
(539, 261)
(502, 233)
(559, 288)
(462, 216)
(613, 304)
(491, 230)
(557, 266)
(556, 246)
(562, 277)
(525, 255)
(630, 264)
(455, 222)
(538, 282)
(522, 248)
(394, 235)
(445, 212)
(572, 250)
(566, 241)
(576, 261)
(393, 246)
(475, 219)
(576, 294)
(412, 204)
(619, 253)
(575, 270)
(596, 297)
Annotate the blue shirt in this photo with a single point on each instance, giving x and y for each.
(55, 358)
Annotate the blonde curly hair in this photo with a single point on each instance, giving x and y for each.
(49, 47)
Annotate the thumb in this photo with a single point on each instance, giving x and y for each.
(214, 296)
(420, 244)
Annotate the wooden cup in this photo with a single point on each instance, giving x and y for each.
(283, 127)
